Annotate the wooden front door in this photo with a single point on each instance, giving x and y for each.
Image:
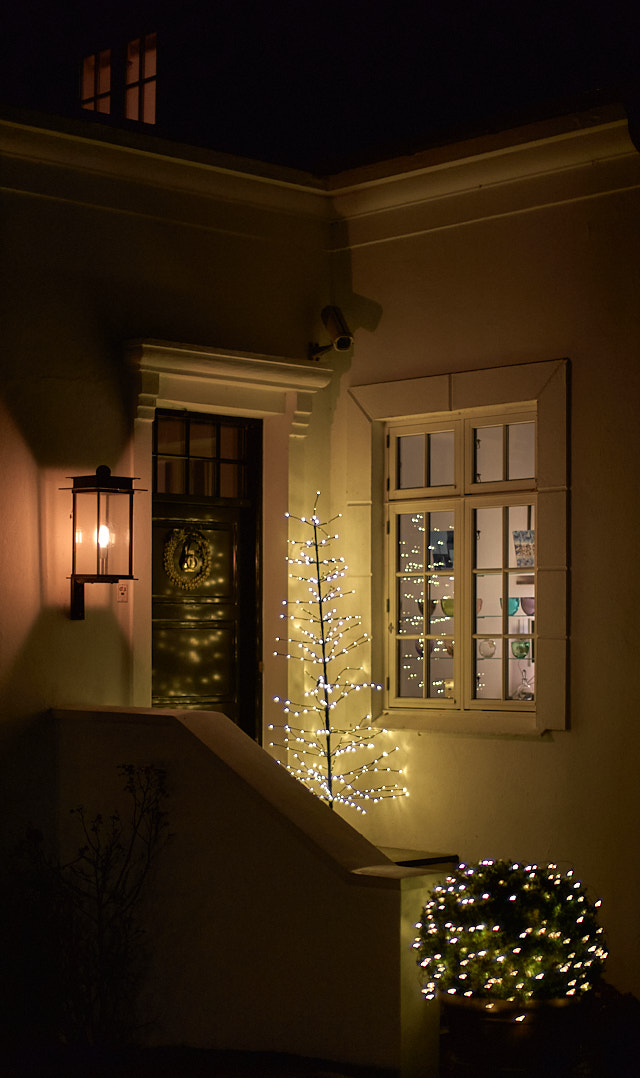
(206, 565)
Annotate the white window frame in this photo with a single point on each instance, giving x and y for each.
(543, 387)
(461, 499)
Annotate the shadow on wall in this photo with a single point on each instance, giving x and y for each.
(81, 411)
(61, 662)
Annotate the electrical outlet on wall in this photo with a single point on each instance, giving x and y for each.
(123, 591)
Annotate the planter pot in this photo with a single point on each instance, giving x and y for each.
(501, 1038)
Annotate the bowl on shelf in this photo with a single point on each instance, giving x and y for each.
(447, 607)
(528, 604)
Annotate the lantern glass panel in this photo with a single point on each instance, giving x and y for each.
(102, 534)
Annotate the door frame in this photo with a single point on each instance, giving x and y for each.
(204, 379)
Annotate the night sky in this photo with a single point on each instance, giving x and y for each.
(324, 85)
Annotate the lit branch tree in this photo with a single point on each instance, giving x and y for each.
(331, 760)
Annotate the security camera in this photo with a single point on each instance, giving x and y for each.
(338, 330)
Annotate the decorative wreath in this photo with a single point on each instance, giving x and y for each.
(178, 541)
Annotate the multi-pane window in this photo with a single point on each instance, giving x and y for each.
(95, 82)
(462, 563)
(140, 79)
(122, 82)
(203, 456)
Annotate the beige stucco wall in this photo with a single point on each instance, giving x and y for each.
(102, 245)
(501, 258)
(556, 275)
(269, 924)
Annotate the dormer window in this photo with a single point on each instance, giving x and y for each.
(95, 82)
(140, 80)
(122, 84)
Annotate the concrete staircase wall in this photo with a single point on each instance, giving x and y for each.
(273, 924)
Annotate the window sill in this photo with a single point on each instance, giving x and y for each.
(479, 723)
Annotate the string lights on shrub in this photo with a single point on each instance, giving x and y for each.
(500, 930)
(330, 759)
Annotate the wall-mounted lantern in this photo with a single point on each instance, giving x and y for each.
(102, 519)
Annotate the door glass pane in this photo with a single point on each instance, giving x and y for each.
(488, 529)
(411, 531)
(229, 442)
(441, 467)
(411, 461)
(489, 463)
(202, 439)
(170, 475)
(171, 435)
(521, 453)
(441, 540)
(229, 480)
(202, 477)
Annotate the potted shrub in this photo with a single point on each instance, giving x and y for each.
(509, 949)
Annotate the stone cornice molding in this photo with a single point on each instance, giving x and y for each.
(152, 162)
(174, 375)
(546, 151)
(582, 163)
(517, 154)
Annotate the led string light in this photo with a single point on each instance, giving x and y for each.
(506, 931)
(319, 753)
